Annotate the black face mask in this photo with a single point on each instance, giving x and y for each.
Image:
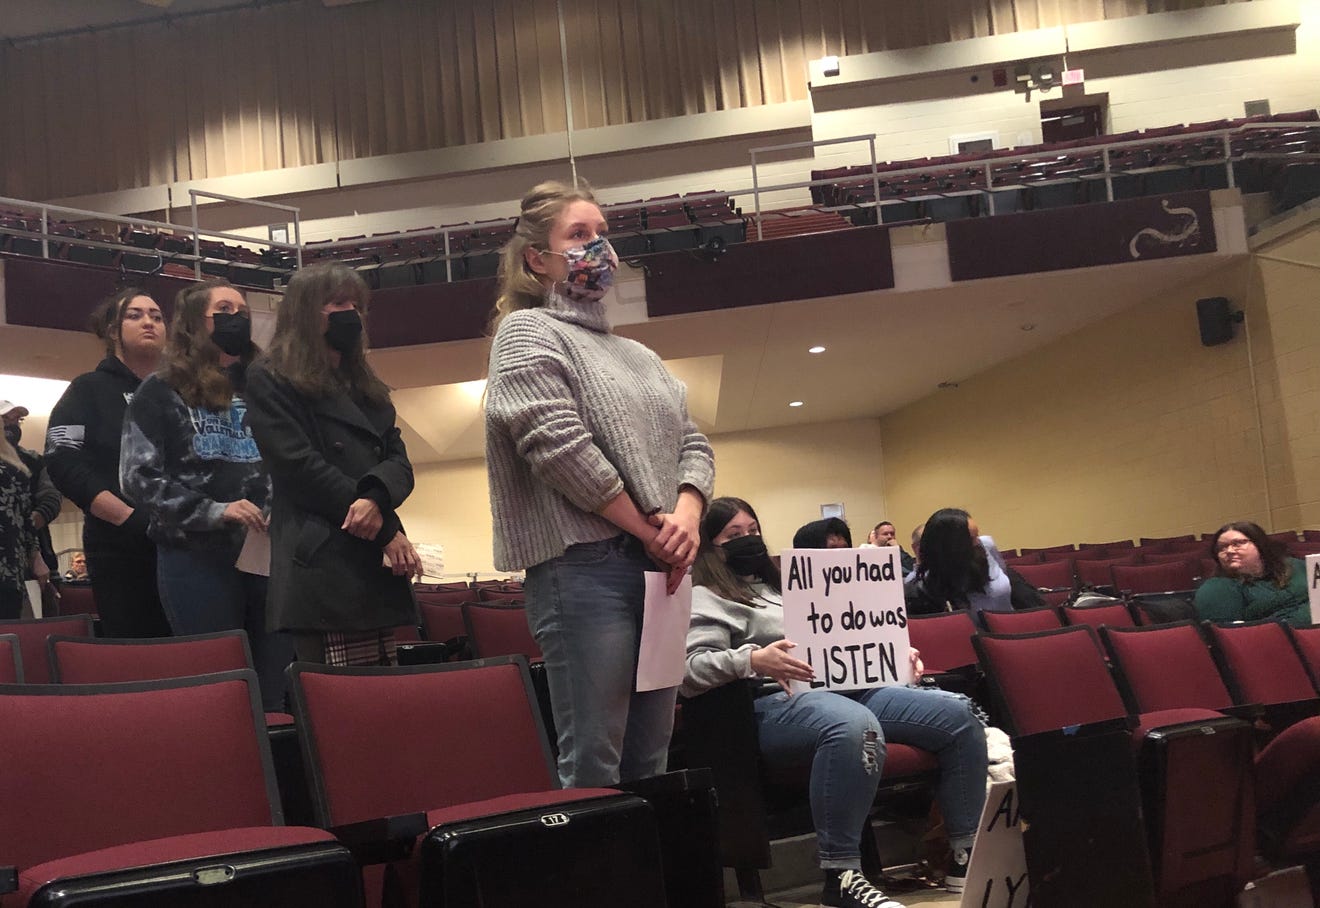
(232, 332)
(343, 329)
(13, 433)
(745, 555)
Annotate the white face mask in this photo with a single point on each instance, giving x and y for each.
(590, 269)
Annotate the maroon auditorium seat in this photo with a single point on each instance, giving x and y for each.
(160, 785)
(499, 629)
(32, 634)
(1021, 621)
(1153, 578)
(11, 660)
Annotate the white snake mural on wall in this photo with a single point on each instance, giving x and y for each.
(1189, 233)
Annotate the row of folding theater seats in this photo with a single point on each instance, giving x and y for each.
(1187, 695)
(416, 815)
(1298, 542)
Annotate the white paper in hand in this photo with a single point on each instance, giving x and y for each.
(663, 654)
(254, 557)
(430, 554)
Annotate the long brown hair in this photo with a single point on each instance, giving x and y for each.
(519, 285)
(298, 351)
(191, 362)
(1273, 555)
(109, 315)
(711, 570)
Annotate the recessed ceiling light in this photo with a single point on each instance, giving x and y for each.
(1028, 326)
(795, 403)
(816, 349)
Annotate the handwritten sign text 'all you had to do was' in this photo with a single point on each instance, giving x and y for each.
(844, 610)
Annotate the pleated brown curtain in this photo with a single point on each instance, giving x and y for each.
(289, 84)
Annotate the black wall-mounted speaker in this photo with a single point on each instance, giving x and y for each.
(1215, 316)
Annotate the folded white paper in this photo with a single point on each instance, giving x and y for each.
(254, 557)
(663, 654)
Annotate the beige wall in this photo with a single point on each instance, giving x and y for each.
(1130, 427)
(1286, 348)
(786, 474)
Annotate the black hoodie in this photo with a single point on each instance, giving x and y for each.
(82, 449)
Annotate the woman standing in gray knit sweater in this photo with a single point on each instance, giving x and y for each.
(597, 474)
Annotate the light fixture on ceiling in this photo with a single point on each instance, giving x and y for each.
(816, 349)
(796, 403)
(1028, 326)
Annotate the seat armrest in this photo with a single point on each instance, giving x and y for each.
(1250, 712)
(383, 839)
(8, 880)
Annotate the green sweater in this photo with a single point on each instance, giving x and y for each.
(1221, 599)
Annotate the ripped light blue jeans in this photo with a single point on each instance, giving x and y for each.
(844, 735)
(585, 610)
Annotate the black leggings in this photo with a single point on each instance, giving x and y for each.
(127, 597)
(11, 602)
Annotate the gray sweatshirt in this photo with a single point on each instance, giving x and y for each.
(575, 415)
(723, 634)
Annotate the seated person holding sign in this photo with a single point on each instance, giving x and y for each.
(1254, 579)
(737, 632)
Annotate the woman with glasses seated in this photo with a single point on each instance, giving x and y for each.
(1254, 579)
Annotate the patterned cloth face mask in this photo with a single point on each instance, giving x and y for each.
(590, 270)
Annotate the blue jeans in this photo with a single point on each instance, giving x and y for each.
(203, 592)
(844, 735)
(585, 610)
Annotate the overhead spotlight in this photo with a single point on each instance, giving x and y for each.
(816, 349)
(795, 403)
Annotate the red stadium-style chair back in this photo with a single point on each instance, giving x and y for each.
(1307, 642)
(1153, 578)
(1171, 558)
(77, 599)
(442, 621)
(1114, 615)
(945, 640)
(1022, 621)
(499, 629)
(1118, 545)
(32, 634)
(1029, 558)
(11, 660)
(1068, 556)
(1286, 538)
(1050, 679)
(1166, 667)
(1261, 663)
(1096, 573)
(351, 720)
(501, 594)
(1165, 540)
(1054, 575)
(160, 772)
(84, 660)
(443, 594)
(1047, 549)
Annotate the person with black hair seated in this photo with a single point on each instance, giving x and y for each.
(830, 533)
(737, 632)
(961, 569)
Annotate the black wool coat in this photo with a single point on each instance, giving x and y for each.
(323, 453)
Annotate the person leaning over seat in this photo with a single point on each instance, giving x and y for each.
(597, 475)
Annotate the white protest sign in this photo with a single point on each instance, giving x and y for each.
(997, 877)
(844, 609)
(1313, 584)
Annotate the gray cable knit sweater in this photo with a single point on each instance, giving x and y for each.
(574, 415)
(723, 634)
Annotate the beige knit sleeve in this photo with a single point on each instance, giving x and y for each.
(530, 397)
